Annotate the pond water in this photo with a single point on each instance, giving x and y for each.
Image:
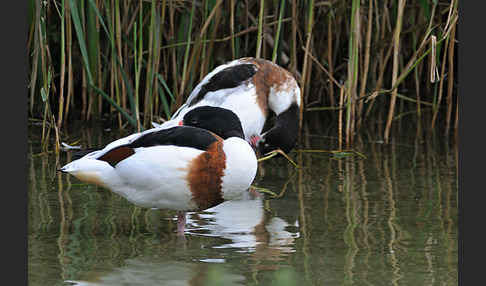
(389, 217)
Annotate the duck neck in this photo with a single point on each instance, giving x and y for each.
(286, 128)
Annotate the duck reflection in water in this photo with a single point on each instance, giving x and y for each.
(247, 226)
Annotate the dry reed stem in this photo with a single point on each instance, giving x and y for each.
(149, 78)
(99, 71)
(352, 67)
(260, 30)
(210, 17)
(35, 57)
(329, 60)
(202, 59)
(366, 62)
(406, 70)
(231, 37)
(161, 56)
(340, 118)
(456, 121)
(157, 60)
(433, 65)
(441, 84)
(450, 82)
(137, 61)
(316, 61)
(382, 60)
(197, 44)
(310, 23)
(396, 45)
(175, 73)
(63, 67)
(69, 40)
(293, 52)
(119, 47)
(232, 28)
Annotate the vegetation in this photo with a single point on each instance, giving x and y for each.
(357, 62)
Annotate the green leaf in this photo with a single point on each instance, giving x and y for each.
(79, 33)
(164, 84)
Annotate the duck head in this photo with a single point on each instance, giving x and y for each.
(221, 121)
(283, 135)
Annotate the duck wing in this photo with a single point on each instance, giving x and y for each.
(228, 77)
(181, 136)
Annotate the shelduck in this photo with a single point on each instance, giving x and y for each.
(254, 89)
(186, 168)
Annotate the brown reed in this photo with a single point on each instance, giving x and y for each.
(137, 61)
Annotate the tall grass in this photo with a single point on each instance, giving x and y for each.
(137, 61)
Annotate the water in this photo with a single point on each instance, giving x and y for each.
(387, 219)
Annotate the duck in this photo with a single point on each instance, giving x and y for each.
(193, 166)
(254, 89)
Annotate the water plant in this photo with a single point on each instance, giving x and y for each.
(361, 64)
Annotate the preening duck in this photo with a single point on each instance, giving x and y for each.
(185, 168)
(253, 89)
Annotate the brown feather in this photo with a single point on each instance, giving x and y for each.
(205, 176)
(116, 155)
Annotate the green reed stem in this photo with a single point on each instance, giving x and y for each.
(277, 34)
(352, 70)
(260, 30)
(130, 53)
(396, 49)
(80, 35)
(310, 23)
(188, 48)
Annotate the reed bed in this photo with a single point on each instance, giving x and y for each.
(357, 62)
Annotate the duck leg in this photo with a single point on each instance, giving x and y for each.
(181, 223)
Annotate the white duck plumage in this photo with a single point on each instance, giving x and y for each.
(184, 168)
(252, 89)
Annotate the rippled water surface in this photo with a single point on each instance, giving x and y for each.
(388, 218)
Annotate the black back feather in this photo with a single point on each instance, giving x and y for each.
(229, 77)
(184, 136)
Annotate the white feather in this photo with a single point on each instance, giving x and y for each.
(241, 100)
(241, 167)
(153, 177)
(281, 97)
(156, 177)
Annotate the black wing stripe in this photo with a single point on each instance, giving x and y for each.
(229, 77)
(184, 136)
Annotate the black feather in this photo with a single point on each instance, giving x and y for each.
(284, 133)
(229, 77)
(184, 136)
